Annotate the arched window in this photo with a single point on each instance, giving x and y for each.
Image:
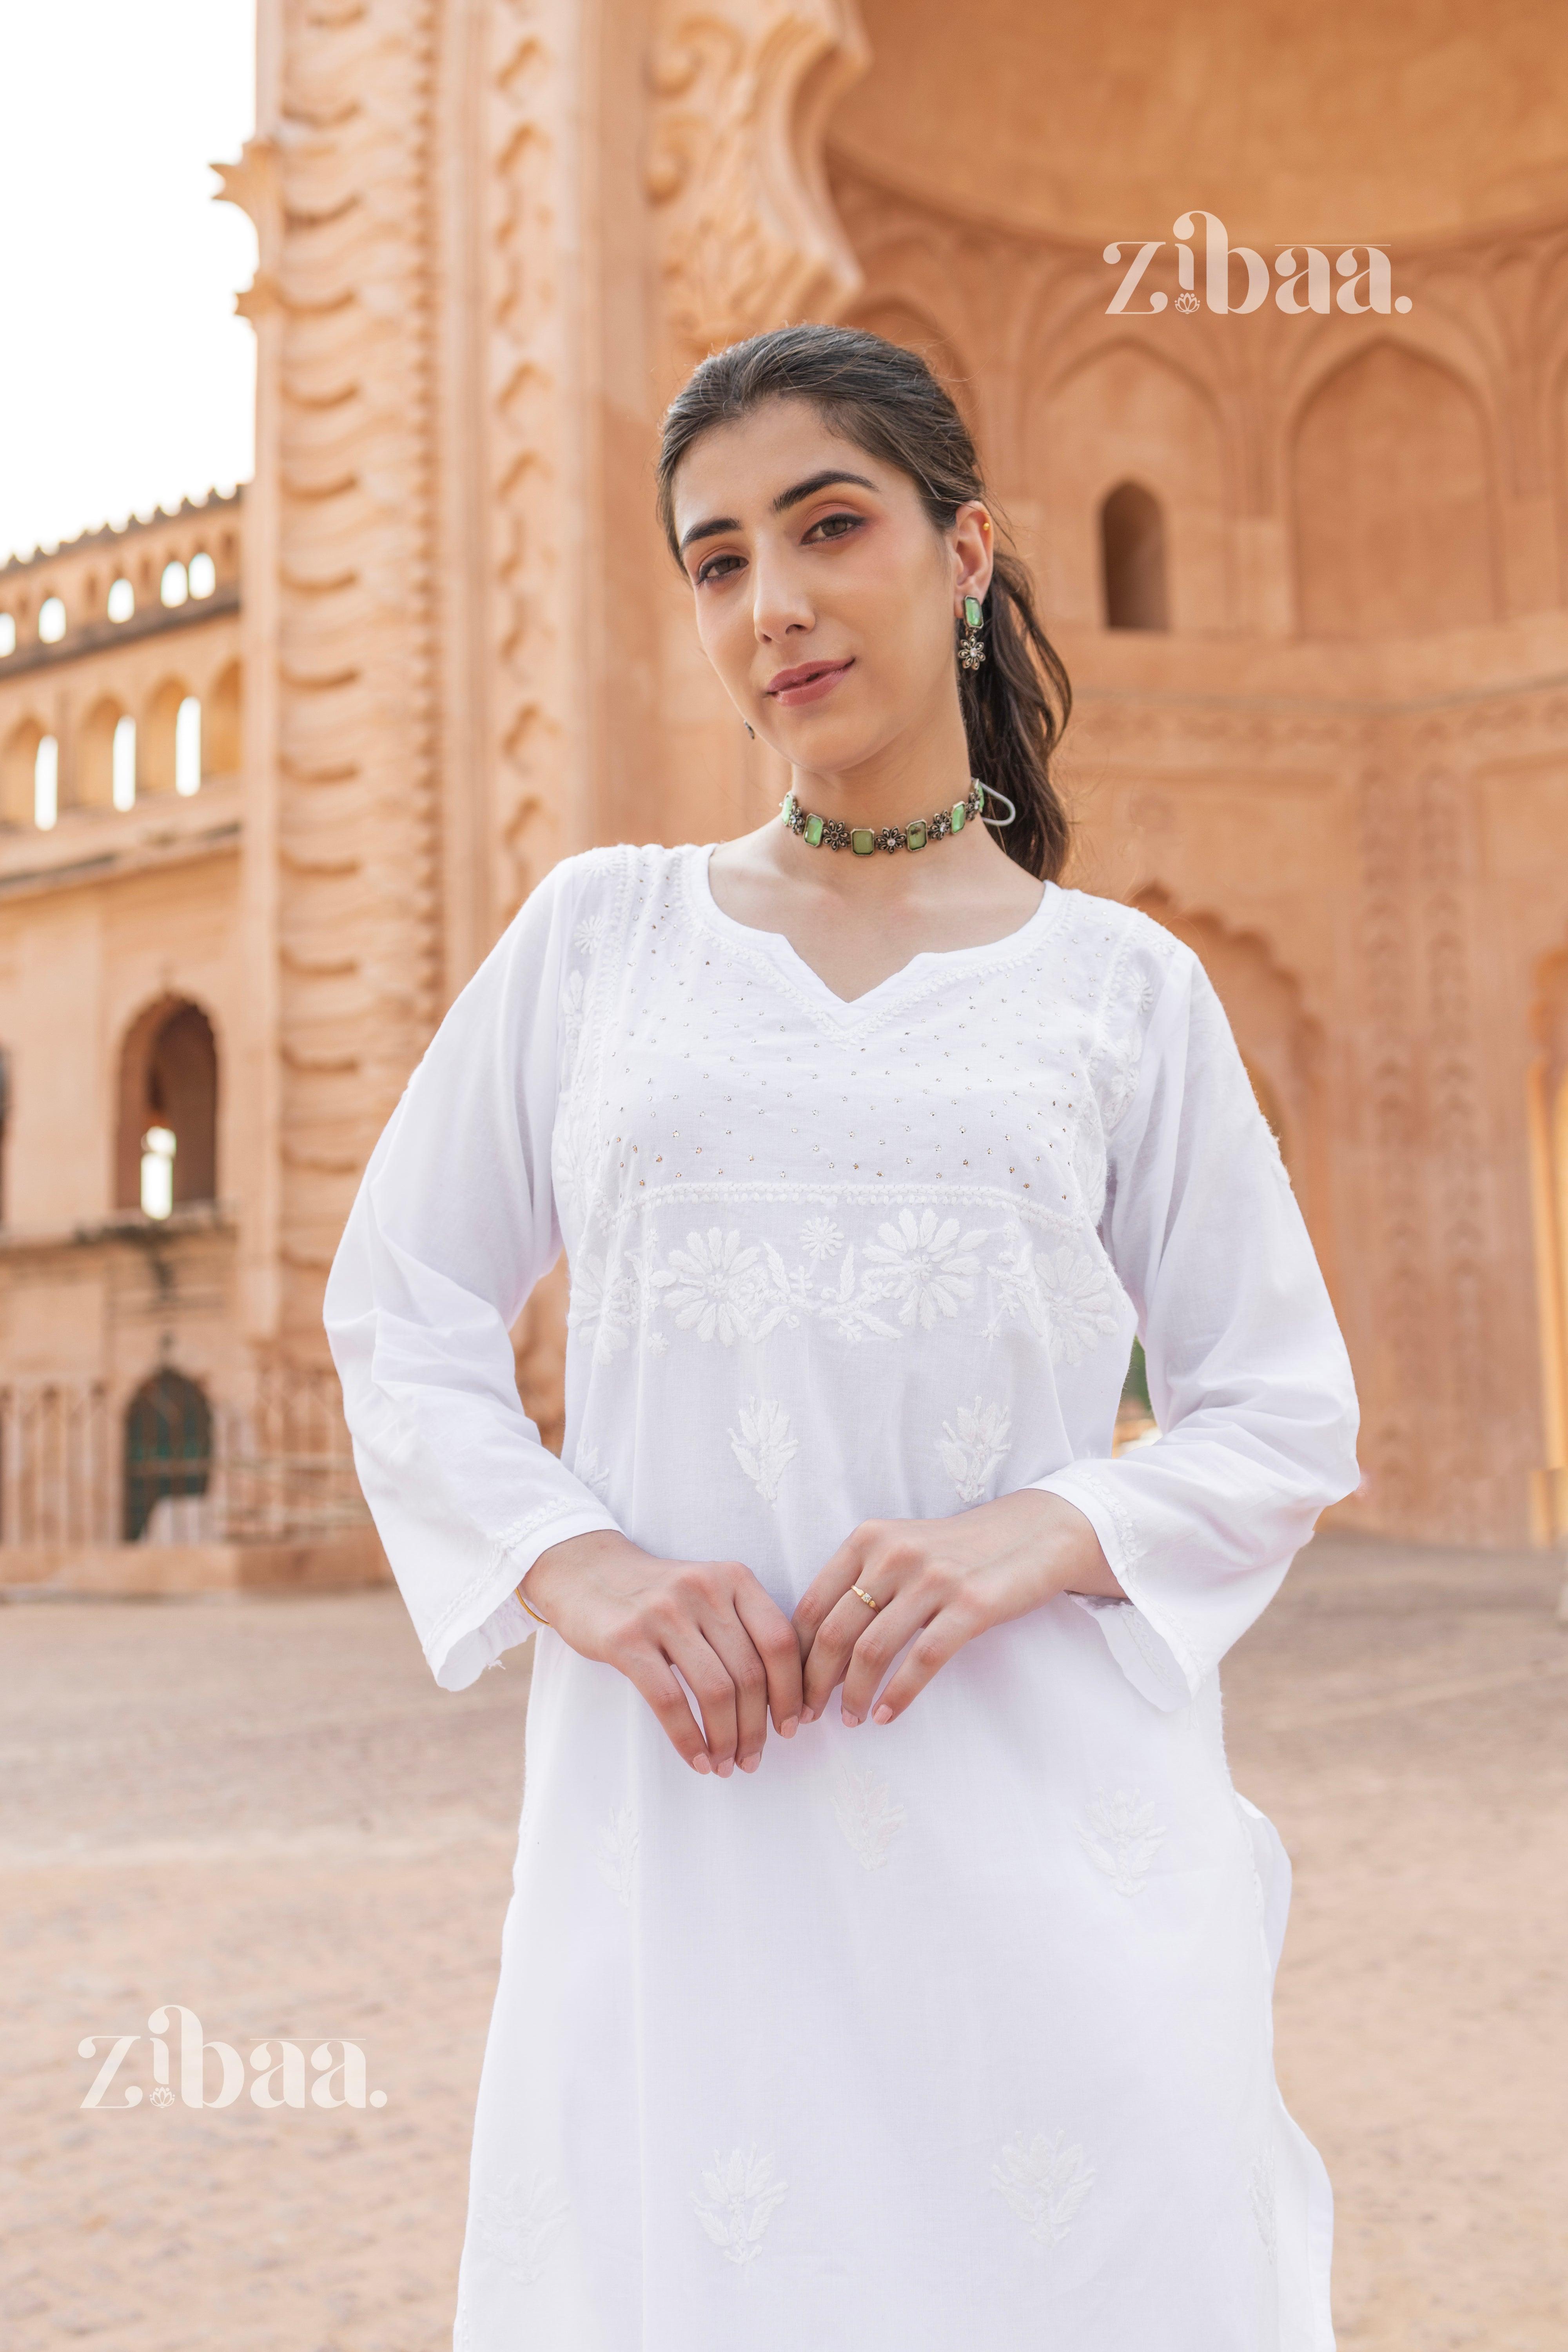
(203, 575)
(159, 770)
(121, 600)
(51, 620)
(168, 1457)
(123, 778)
(188, 747)
(96, 753)
(1133, 559)
(166, 1150)
(47, 782)
(174, 587)
(18, 773)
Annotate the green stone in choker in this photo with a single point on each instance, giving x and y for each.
(832, 833)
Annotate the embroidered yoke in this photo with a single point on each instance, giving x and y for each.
(951, 2031)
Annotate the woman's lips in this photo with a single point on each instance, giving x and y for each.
(808, 683)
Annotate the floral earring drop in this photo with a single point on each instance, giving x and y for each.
(971, 652)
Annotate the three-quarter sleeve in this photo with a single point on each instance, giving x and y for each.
(1248, 1376)
(453, 1225)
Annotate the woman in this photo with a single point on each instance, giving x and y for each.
(948, 2024)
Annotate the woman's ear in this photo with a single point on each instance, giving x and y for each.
(974, 552)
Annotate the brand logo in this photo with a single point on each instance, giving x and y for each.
(1305, 273)
(276, 2080)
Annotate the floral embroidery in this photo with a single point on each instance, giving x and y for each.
(615, 1854)
(1044, 2182)
(925, 1266)
(820, 1238)
(1122, 1839)
(742, 2194)
(764, 1445)
(1264, 2209)
(1067, 1296)
(870, 1821)
(710, 1287)
(517, 2230)
(975, 1448)
(611, 1303)
(587, 934)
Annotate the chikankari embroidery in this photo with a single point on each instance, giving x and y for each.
(738, 2200)
(1045, 2182)
(764, 1445)
(1122, 1837)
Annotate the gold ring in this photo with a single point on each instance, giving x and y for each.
(861, 1594)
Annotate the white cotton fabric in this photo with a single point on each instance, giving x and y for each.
(956, 2030)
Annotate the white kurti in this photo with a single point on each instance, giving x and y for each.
(946, 2034)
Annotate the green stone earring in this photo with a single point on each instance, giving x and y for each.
(971, 652)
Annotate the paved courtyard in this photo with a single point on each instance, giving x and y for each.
(264, 1810)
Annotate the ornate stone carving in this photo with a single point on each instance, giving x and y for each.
(741, 93)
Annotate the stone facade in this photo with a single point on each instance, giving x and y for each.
(1321, 719)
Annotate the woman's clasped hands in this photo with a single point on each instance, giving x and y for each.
(709, 1624)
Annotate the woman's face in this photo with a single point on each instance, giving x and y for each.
(825, 598)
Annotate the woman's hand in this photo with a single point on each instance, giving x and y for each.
(939, 1581)
(608, 1600)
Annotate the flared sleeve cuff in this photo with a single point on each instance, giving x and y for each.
(490, 1619)
(1139, 1635)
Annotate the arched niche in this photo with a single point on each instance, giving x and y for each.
(168, 1078)
(95, 754)
(1125, 415)
(157, 766)
(1393, 501)
(167, 1454)
(1133, 583)
(18, 765)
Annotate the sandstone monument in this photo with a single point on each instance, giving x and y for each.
(1300, 517)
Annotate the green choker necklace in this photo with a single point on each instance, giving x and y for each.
(827, 833)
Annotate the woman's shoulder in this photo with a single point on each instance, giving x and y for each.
(1121, 946)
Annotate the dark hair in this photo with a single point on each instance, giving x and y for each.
(886, 400)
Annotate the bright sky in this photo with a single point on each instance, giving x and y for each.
(126, 380)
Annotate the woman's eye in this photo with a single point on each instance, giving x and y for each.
(715, 568)
(836, 525)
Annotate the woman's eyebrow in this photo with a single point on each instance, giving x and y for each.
(785, 498)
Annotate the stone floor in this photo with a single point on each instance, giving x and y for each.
(262, 1809)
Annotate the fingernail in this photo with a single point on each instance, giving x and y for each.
(789, 1727)
(808, 1715)
(701, 1763)
(883, 1715)
(725, 1769)
(850, 1719)
(750, 1763)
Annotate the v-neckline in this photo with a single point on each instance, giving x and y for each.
(809, 982)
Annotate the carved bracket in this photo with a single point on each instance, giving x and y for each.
(748, 237)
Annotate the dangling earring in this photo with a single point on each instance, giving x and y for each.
(750, 729)
(971, 652)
